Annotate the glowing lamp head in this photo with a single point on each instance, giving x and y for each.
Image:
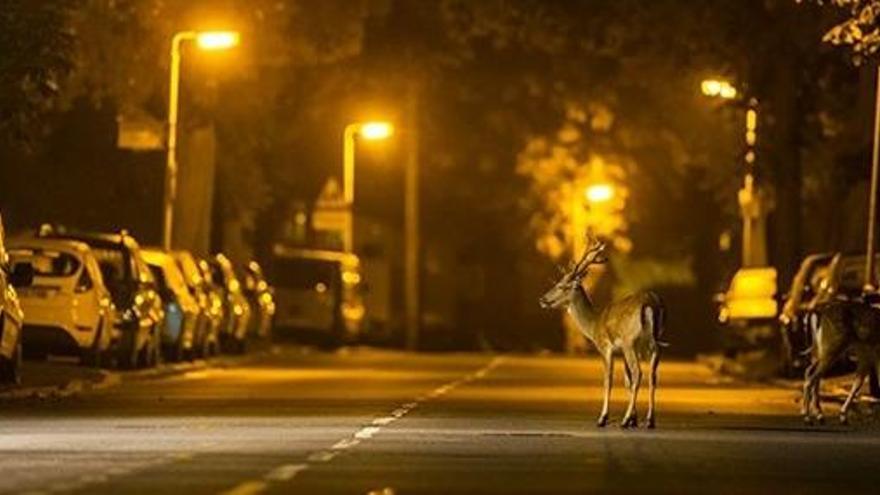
(218, 40)
(376, 130)
(720, 89)
(600, 193)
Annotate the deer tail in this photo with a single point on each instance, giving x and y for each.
(657, 319)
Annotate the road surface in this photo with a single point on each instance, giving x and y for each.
(376, 422)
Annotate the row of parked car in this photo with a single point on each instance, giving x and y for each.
(103, 298)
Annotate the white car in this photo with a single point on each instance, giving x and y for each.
(68, 309)
(11, 316)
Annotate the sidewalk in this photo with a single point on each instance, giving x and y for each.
(834, 389)
(58, 378)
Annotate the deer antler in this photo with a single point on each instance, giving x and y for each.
(593, 252)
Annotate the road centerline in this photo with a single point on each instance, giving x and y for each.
(288, 472)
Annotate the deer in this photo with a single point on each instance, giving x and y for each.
(840, 328)
(631, 326)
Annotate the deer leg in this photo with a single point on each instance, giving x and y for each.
(861, 374)
(632, 362)
(652, 384)
(816, 381)
(608, 361)
(806, 402)
(627, 375)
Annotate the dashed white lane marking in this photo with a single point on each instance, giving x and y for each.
(288, 472)
(367, 432)
(345, 443)
(285, 472)
(248, 488)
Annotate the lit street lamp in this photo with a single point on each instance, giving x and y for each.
(205, 40)
(599, 193)
(372, 131)
(719, 89)
(752, 202)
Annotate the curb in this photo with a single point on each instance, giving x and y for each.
(112, 378)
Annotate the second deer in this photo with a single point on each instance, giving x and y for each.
(632, 326)
(841, 328)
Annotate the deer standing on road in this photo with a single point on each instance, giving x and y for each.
(632, 325)
(840, 328)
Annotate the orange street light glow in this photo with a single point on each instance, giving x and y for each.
(600, 193)
(217, 40)
(716, 88)
(376, 130)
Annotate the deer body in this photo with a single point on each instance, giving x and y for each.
(631, 326)
(840, 328)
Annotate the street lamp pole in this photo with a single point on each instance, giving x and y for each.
(348, 183)
(208, 40)
(870, 282)
(367, 130)
(171, 148)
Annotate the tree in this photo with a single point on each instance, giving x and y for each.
(36, 48)
(859, 29)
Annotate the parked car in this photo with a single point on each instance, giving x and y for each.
(317, 294)
(68, 309)
(238, 310)
(11, 314)
(218, 296)
(210, 301)
(179, 333)
(259, 294)
(139, 313)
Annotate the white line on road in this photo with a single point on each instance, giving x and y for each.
(288, 472)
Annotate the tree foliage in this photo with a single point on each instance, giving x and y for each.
(859, 29)
(36, 48)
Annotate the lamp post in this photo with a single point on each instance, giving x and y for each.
(206, 40)
(870, 282)
(372, 131)
(753, 203)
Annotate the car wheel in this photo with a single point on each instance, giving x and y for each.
(128, 353)
(10, 370)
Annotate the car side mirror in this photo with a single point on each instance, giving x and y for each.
(22, 275)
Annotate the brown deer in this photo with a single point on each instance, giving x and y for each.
(840, 328)
(632, 325)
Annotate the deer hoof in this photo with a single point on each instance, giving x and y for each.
(844, 420)
(808, 420)
(630, 422)
(650, 423)
(602, 421)
(820, 419)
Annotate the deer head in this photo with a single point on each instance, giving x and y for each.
(562, 292)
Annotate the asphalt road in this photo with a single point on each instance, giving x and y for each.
(384, 423)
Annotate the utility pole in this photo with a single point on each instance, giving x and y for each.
(412, 286)
(870, 282)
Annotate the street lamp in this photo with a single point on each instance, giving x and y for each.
(599, 193)
(718, 88)
(372, 131)
(752, 201)
(206, 40)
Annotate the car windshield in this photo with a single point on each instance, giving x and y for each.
(48, 263)
(300, 273)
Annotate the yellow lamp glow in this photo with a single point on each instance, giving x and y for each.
(600, 193)
(376, 130)
(717, 88)
(217, 40)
